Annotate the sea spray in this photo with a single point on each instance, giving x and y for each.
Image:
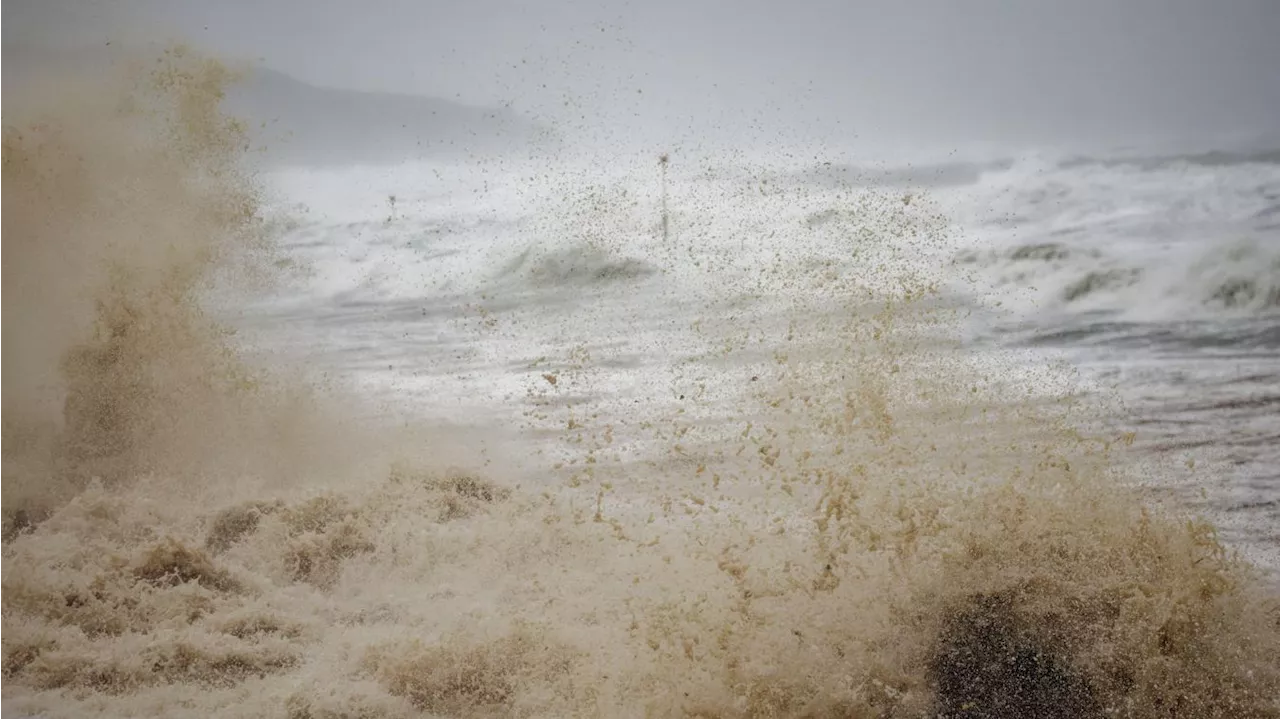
(844, 515)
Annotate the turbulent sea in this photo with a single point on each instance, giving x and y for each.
(712, 436)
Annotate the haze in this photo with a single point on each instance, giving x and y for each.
(932, 72)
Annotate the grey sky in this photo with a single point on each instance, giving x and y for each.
(945, 70)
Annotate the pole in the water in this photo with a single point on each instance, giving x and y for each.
(663, 160)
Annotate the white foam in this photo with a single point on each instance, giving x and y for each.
(1171, 242)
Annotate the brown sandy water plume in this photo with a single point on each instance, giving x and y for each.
(886, 529)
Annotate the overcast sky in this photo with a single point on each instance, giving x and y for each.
(937, 70)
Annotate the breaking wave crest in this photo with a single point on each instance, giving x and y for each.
(881, 528)
(1240, 278)
(574, 267)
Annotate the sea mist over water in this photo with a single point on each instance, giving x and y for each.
(792, 495)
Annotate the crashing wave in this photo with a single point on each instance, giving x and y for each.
(1101, 280)
(1240, 277)
(894, 532)
(575, 267)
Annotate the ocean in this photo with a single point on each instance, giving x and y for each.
(767, 434)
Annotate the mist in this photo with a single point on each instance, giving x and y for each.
(870, 74)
